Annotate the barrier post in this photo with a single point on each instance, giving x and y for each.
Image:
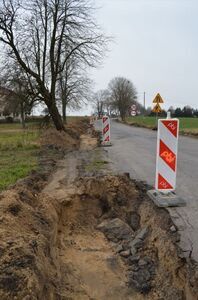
(106, 128)
(166, 164)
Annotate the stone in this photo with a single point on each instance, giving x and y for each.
(133, 251)
(116, 229)
(135, 221)
(142, 275)
(121, 200)
(152, 270)
(142, 263)
(133, 283)
(148, 260)
(125, 253)
(136, 243)
(145, 288)
(141, 235)
(134, 268)
(134, 258)
(173, 229)
(119, 249)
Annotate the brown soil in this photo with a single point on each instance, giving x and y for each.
(51, 248)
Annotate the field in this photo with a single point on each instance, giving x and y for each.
(187, 125)
(18, 152)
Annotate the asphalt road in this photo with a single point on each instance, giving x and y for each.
(134, 151)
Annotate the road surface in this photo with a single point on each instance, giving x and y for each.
(134, 151)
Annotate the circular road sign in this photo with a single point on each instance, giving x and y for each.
(133, 113)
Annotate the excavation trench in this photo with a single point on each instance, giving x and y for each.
(89, 234)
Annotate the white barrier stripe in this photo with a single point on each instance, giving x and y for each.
(165, 171)
(168, 138)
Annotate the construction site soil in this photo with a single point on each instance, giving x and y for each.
(74, 230)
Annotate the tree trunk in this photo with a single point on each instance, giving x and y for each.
(22, 116)
(64, 112)
(56, 117)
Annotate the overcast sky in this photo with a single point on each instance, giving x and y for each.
(156, 47)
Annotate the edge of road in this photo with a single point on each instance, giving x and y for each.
(136, 125)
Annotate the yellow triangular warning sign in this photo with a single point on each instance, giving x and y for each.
(158, 99)
(157, 109)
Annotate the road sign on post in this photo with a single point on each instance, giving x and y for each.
(106, 131)
(133, 110)
(158, 100)
(166, 165)
(157, 109)
(133, 113)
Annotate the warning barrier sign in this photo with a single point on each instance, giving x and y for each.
(167, 147)
(106, 130)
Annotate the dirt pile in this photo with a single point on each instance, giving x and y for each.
(68, 140)
(27, 224)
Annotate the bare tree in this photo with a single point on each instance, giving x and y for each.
(123, 94)
(42, 35)
(74, 87)
(99, 100)
(23, 92)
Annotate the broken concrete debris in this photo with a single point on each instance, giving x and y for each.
(141, 269)
(116, 230)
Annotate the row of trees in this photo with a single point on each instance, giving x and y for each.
(185, 112)
(48, 45)
(119, 96)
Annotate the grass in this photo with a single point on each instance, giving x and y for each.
(187, 125)
(18, 153)
(96, 163)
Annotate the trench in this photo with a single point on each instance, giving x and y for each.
(90, 234)
(90, 261)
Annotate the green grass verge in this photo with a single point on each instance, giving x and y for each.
(18, 154)
(187, 125)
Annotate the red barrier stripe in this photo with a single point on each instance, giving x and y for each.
(168, 156)
(106, 129)
(107, 139)
(104, 119)
(172, 126)
(163, 184)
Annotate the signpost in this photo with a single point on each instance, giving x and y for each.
(157, 108)
(166, 164)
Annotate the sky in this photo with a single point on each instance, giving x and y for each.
(155, 46)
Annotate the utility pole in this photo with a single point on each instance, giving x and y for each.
(144, 103)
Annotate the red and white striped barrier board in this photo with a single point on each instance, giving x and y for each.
(167, 147)
(105, 130)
